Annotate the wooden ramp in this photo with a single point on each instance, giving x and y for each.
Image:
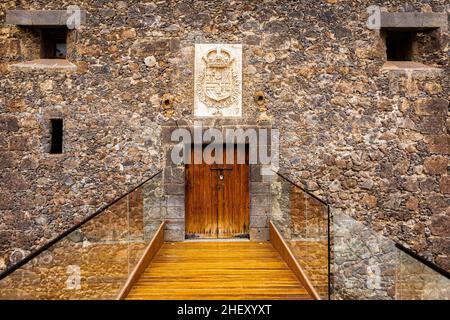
(218, 270)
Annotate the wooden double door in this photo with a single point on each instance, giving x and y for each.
(218, 198)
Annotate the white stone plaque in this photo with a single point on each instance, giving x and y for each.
(218, 80)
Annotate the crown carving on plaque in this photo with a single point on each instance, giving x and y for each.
(218, 58)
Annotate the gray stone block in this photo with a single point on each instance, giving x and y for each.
(40, 17)
(259, 188)
(259, 234)
(174, 175)
(150, 230)
(174, 224)
(175, 213)
(259, 200)
(259, 222)
(177, 189)
(175, 201)
(413, 20)
(174, 230)
(151, 214)
(260, 211)
(18, 17)
(255, 173)
(266, 178)
(166, 135)
(174, 235)
(48, 18)
(153, 202)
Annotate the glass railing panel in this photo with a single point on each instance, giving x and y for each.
(368, 265)
(47, 276)
(313, 258)
(111, 225)
(416, 281)
(316, 220)
(364, 261)
(298, 210)
(136, 216)
(136, 242)
(105, 253)
(94, 261)
(303, 221)
(154, 207)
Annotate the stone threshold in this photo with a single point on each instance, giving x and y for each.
(44, 64)
(407, 66)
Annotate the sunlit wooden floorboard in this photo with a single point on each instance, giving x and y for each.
(218, 270)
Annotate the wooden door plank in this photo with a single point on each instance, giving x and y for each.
(217, 208)
(201, 218)
(234, 217)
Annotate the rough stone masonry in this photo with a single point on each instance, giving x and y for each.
(373, 143)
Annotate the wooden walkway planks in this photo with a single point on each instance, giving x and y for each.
(218, 270)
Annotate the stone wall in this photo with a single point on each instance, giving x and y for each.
(373, 143)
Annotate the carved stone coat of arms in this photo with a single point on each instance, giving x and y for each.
(218, 80)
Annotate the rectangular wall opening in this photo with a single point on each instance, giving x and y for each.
(56, 136)
(53, 43)
(399, 45)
